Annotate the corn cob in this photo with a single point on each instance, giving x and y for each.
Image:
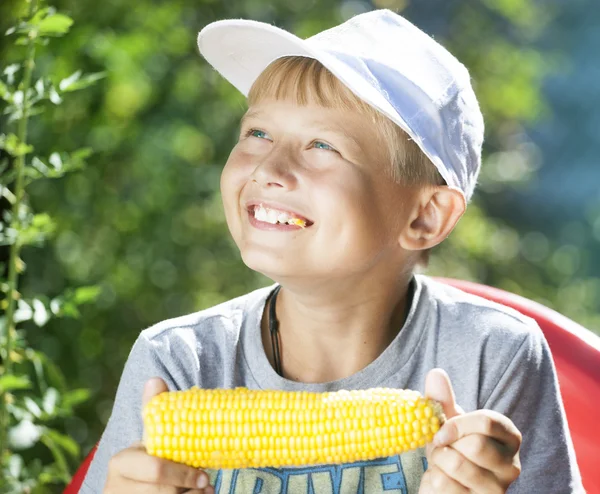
(241, 428)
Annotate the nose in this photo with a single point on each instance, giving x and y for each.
(277, 169)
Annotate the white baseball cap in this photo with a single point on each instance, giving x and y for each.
(384, 60)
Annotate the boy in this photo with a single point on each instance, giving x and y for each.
(359, 151)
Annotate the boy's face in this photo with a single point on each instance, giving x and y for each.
(327, 165)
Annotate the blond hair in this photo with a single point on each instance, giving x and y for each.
(305, 80)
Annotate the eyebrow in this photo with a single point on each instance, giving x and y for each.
(340, 131)
(250, 114)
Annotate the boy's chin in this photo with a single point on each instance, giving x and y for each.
(266, 265)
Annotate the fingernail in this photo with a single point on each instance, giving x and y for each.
(202, 481)
(442, 437)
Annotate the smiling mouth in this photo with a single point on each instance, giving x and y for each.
(278, 217)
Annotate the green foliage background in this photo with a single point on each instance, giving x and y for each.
(144, 220)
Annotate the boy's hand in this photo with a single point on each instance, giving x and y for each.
(475, 452)
(133, 471)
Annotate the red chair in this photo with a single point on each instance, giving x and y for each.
(576, 353)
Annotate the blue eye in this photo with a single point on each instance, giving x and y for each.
(257, 133)
(322, 145)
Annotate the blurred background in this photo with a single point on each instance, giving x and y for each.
(144, 220)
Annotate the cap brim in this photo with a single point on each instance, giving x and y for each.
(241, 49)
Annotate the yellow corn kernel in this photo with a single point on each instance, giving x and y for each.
(244, 428)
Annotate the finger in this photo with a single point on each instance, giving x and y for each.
(435, 481)
(491, 455)
(136, 464)
(485, 422)
(153, 387)
(439, 388)
(465, 472)
(207, 490)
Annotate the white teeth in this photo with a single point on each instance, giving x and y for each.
(272, 216)
(260, 213)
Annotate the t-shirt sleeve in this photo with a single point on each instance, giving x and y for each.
(528, 393)
(125, 423)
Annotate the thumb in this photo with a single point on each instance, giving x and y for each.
(439, 388)
(154, 386)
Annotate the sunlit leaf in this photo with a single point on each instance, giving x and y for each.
(39, 165)
(24, 311)
(68, 81)
(83, 82)
(10, 71)
(11, 144)
(86, 294)
(54, 96)
(56, 161)
(55, 24)
(15, 466)
(7, 194)
(5, 93)
(24, 435)
(51, 398)
(32, 406)
(11, 382)
(40, 313)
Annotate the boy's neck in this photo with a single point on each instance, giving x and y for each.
(323, 340)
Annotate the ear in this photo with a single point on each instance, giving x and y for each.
(435, 214)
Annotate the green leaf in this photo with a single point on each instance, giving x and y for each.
(51, 398)
(32, 406)
(54, 96)
(41, 227)
(53, 443)
(63, 441)
(15, 466)
(83, 82)
(54, 375)
(5, 93)
(7, 194)
(10, 382)
(13, 146)
(39, 165)
(23, 313)
(86, 294)
(55, 25)
(40, 313)
(39, 16)
(68, 81)
(75, 397)
(56, 161)
(10, 71)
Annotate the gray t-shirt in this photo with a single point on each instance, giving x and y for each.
(496, 359)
